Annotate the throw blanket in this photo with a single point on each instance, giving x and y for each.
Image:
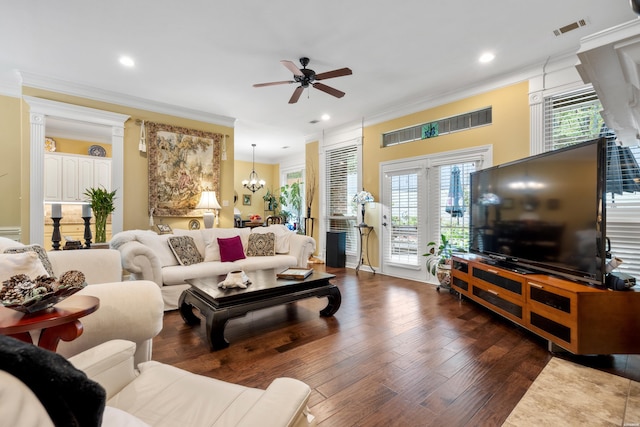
(70, 398)
(127, 236)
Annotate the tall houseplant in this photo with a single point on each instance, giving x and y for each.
(291, 197)
(101, 202)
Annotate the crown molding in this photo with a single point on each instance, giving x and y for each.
(10, 84)
(84, 91)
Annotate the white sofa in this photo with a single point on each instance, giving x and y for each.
(147, 255)
(160, 395)
(130, 310)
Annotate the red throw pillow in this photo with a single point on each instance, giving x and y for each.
(231, 249)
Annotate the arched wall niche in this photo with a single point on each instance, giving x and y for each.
(39, 111)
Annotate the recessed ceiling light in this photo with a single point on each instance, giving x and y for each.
(325, 117)
(486, 57)
(127, 61)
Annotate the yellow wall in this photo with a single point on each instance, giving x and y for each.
(10, 161)
(508, 133)
(313, 168)
(135, 191)
(74, 146)
(271, 175)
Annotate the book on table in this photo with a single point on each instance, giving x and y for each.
(296, 273)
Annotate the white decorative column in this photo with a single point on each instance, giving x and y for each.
(36, 178)
(117, 177)
(536, 123)
(40, 110)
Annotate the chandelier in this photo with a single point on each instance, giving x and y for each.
(253, 183)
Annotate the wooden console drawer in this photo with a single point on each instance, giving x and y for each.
(460, 276)
(499, 280)
(498, 300)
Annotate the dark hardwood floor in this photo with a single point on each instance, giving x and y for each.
(397, 353)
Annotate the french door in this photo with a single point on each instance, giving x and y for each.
(404, 219)
(422, 199)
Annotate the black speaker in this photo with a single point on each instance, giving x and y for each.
(336, 248)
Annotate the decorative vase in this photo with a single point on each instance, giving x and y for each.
(443, 274)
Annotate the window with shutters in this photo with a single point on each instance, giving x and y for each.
(574, 117)
(341, 182)
(454, 188)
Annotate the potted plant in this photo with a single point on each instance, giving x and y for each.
(291, 197)
(439, 260)
(101, 202)
(271, 200)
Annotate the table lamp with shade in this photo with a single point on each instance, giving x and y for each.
(362, 198)
(209, 201)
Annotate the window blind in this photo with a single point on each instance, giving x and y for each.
(403, 245)
(341, 182)
(574, 117)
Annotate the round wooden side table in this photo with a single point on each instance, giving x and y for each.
(59, 322)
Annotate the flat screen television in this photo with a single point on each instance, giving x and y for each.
(544, 213)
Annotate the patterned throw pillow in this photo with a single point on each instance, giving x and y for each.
(185, 250)
(39, 250)
(262, 244)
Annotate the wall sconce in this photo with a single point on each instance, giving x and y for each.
(208, 201)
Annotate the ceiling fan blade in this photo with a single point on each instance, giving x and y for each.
(335, 73)
(296, 95)
(292, 67)
(273, 83)
(328, 89)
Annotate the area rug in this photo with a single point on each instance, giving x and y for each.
(567, 394)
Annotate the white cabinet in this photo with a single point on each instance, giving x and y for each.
(68, 176)
(52, 178)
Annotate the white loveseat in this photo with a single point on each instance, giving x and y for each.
(155, 394)
(147, 255)
(130, 310)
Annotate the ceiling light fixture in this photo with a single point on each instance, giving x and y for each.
(127, 61)
(326, 117)
(253, 183)
(487, 57)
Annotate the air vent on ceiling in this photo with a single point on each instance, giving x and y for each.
(313, 122)
(570, 27)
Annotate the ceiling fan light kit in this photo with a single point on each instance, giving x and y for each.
(306, 77)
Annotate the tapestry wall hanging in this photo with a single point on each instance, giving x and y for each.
(182, 163)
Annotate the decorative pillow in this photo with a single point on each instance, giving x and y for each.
(197, 237)
(231, 249)
(262, 244)
(282, 233)
(25, 263)
(211, 235)
(185, 250)
(68, 395)
(42, 254)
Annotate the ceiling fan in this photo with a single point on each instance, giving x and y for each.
(306, 76)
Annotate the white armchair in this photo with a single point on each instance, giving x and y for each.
(154, 394)
(130, 310)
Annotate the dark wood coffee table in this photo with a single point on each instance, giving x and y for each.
(219, 305)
